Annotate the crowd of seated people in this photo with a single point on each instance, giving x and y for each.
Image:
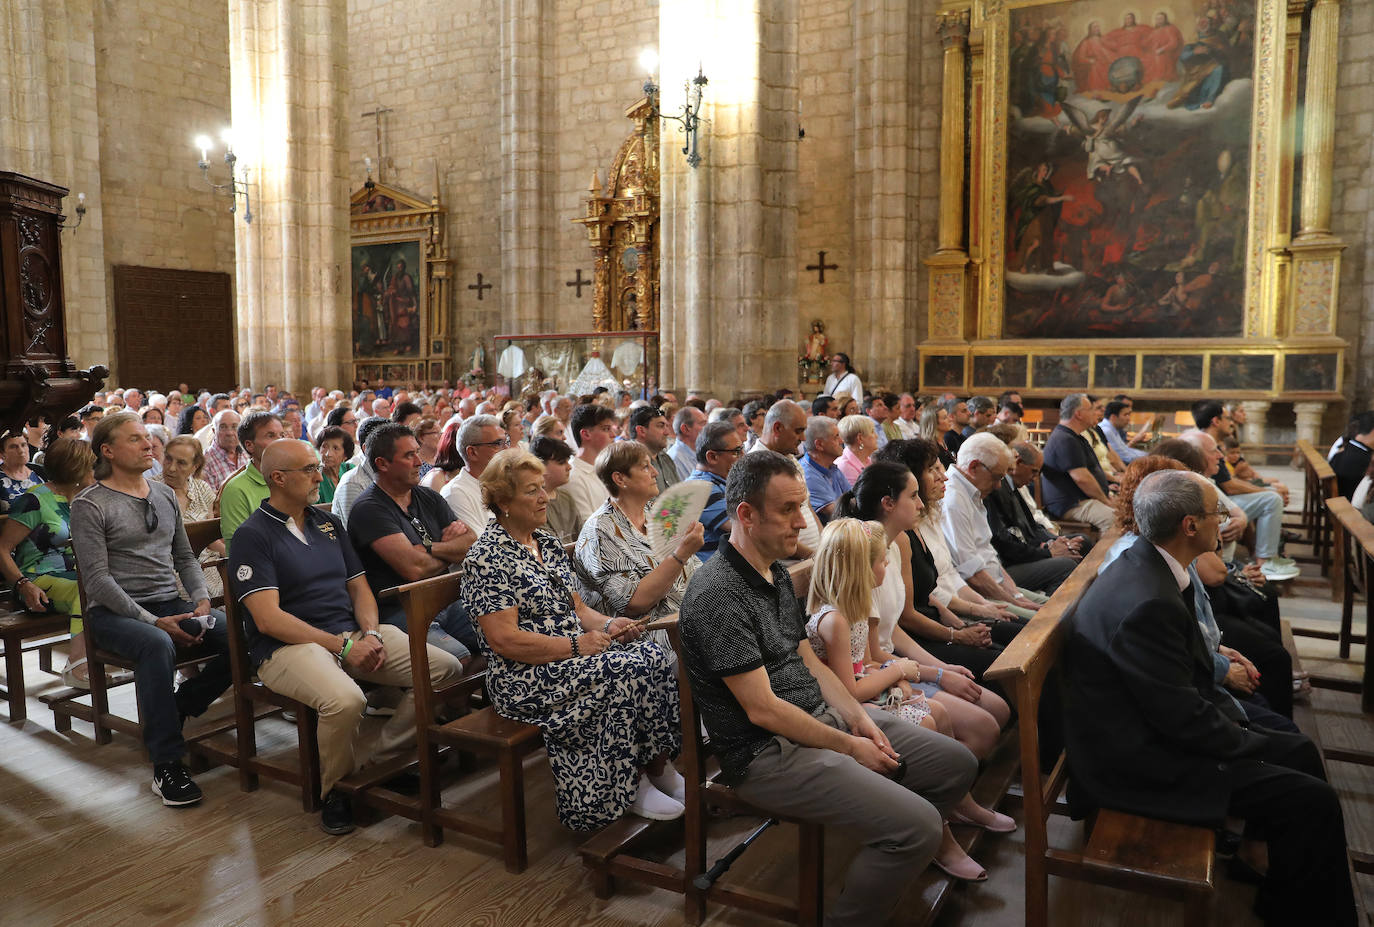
(931, 552)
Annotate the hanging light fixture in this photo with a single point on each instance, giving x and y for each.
(690, 119)
(236, 186)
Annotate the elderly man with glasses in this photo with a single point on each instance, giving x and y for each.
(311, 621)
(480, 438)
(404, 532)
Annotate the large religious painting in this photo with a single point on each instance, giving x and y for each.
(387, 299)
(399, 286)
(1128, 167)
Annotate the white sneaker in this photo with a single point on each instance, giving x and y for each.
(652, 804)
(670, 783)
(1273, 572)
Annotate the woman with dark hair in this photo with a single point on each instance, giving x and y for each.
(152, 415)
(447, 460)
(406, 413)
(754, 414)
(192, 420)
(336, 451)
(942, 609)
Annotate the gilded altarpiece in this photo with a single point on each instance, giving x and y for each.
(1125, 217)
(399, 286)
(622, 227)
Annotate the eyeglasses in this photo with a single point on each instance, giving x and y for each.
(1223, 515)
(149, 515)
(419, 527)
(503, 442)
(729, 450)
(313, 468)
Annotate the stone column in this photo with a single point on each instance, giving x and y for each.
(1256, 413)
(50, 130)
(729, 226)
(289, 67)
(524, 252)
(1310, 421)
(883, 328)
(1319, 119)
(954, 36)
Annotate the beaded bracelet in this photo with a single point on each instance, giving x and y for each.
(573, 641)
(343, 651)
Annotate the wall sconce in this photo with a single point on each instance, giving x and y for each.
(235, 187)
(80, 212)
(690, 119)
(369, 184)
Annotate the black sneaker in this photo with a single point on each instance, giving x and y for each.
(336, 817)
(173, 784)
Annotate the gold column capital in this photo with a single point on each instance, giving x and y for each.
(953, 28)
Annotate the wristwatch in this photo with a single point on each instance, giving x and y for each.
(373, 633)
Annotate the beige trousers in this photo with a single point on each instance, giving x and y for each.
(1097, 514)
(310, 674)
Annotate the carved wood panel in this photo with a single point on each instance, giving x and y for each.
(174, 325)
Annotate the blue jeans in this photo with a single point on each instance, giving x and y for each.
(1265, 510)
(451, 630)
(155, 657)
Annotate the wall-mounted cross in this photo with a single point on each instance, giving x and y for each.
(578, 282)
(376, 113)
(479, 286)
(821, 266)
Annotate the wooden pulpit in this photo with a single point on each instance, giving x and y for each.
(37, 377)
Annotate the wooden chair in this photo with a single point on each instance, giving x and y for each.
(1121, 850)
(482, 731)
(20, 633)
(247, 692)
(1319, 483)
(1354, 561)
(65, 705)
(705, 794)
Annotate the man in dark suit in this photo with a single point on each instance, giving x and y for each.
(1352, 460)
(1147, 731)
(1032, 556)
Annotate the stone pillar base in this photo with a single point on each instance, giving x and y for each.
(1310, 421)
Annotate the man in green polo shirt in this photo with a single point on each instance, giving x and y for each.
(245, 490)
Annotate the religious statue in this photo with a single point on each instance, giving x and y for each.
(813, 362)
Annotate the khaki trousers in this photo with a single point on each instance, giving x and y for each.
(310, 674)
(1097, 514)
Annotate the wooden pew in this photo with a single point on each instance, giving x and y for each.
(65, 703)
(1121, 850)
(1353, 538)
(21, 632)
(482, 731)
(1319, 485)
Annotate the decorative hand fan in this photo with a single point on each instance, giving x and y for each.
(674, 512)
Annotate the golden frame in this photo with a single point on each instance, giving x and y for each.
(378, 215)
(1291, 281)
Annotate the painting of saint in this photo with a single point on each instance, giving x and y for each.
(1054, 371)
(1242, 371)
(1114, 371)
(1310, 372)
(1127, 174)
(1000, 371)
(943, 370)
(1171, 371)
(386, 299)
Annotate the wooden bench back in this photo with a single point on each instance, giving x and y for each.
(422, 600)
(1022, 668)
(1317, 468)
(1319, 483)
(1353, 558)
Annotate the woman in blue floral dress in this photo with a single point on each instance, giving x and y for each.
(605, 698)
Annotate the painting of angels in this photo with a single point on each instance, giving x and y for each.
(1128, 166)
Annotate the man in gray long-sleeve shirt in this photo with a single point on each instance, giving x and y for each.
(131, 547)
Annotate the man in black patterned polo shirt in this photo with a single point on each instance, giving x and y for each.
(790, 737)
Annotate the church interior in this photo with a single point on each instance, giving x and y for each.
(1169, 200)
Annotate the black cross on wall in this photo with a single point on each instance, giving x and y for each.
(578, 282)
(821, 266)
(479, 286)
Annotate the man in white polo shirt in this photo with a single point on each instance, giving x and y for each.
(480, 438)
